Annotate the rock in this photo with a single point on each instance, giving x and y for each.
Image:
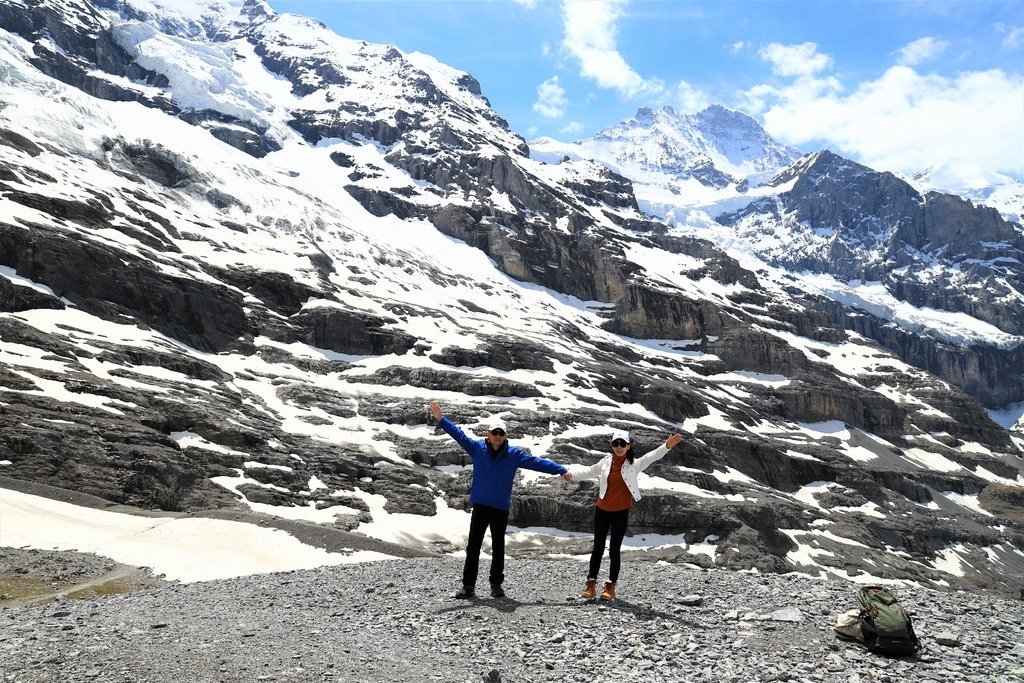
(786, 614)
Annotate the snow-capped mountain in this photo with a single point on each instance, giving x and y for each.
(715, 147)
(680, 162)
(931, 277)
(952, 272)
(240, 253)
(981, 186)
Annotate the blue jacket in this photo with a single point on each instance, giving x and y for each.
(493, 473)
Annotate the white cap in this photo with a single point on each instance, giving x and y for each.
(618, 434)
(496, 423)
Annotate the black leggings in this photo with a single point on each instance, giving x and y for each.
(604, 522)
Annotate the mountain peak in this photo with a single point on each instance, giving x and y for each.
(716, 145)
(644, 116)
(718, 116)
(257, 10)
(203, 19)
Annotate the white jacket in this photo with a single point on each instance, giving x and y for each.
(603, 467)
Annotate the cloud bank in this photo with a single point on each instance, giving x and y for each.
(902, 121)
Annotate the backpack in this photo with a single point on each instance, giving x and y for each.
(886, 626)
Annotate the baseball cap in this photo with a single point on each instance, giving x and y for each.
(619, 434)
(496, 423)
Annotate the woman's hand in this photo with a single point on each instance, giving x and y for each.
(672, 441)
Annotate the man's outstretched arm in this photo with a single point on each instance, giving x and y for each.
(468, 444)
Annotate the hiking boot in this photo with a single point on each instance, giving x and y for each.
(590, 590)
(609, 591)
(497, 591)
(465, 593)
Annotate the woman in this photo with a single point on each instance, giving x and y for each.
(617, 489)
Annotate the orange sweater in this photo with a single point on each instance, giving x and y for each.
(617, 497)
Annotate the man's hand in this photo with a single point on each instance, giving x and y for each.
(567, 476)
(435, 410)
(672, 441)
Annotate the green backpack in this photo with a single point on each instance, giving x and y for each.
(887, 627)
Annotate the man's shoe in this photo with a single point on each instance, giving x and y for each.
(590, 590)
(497, 591)
(465, 593)
(609, 591)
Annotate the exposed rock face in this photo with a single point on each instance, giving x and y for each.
(210, 330)
(105, 283)
(932, 251)
(240, 134)
(346, 332)
(989, 373)
(654, 313)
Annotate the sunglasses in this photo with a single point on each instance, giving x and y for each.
(619, 443)
(498, 432)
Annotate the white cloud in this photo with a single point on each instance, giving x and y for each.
(1014, 36)
(688, 98)
(551, 100)
(572, 128)
(801, 60)
(921, 50)
(904, 121)
(759, 98)
(736, 47)
(590, 36)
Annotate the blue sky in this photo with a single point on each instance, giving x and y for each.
(897, 85)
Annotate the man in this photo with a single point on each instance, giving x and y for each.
(494, 469)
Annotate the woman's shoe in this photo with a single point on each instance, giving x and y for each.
(609, 591)
(590, 591)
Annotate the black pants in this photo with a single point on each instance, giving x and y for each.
(603, 523)
(485, 517)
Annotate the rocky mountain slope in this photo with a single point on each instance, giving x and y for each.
(935, 278)
(934, 252)
(240, 253)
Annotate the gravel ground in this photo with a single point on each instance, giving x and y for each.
(396, 621)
